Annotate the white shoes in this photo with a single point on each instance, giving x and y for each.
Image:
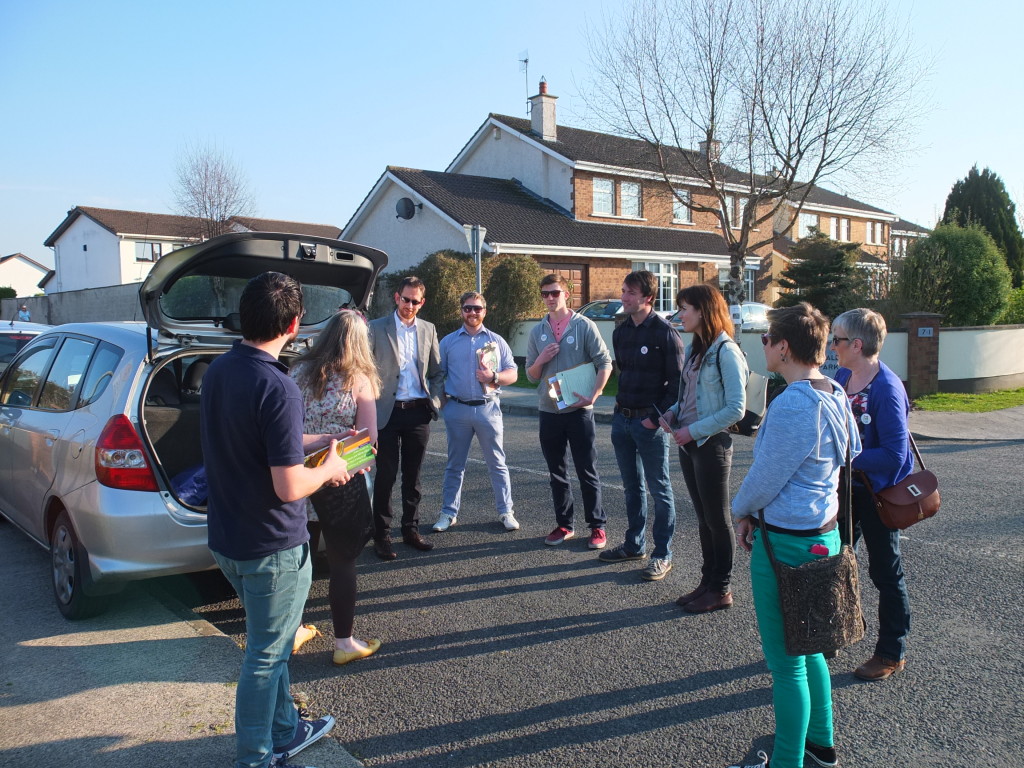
(509, 521)
(444, 522)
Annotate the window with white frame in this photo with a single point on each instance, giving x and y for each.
(604, 197)
(876, 233)
(741, 209)
(680, 206)
(629, 195)
(730, 210)
(833, 228)
(844, 230)
(147, 251)
(804, 223)
(668, 283)
(749, 279)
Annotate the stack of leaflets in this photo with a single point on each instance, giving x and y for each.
(487, 356)
(566, 385)
(356, 450)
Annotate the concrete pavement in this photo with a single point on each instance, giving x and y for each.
(147, 683)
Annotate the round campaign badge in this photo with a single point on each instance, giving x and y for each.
(643, 350)
(569, 340)
(543, 337)
(865, 418)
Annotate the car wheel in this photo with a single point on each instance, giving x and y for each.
(67, 560)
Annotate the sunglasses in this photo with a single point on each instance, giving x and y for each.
(556, 293)
(766, 339)
(471, 308)
(407, 300)
(836, 339)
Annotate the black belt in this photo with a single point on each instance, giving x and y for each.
(633, 413)
(829, 526)
(473, 403)
(403, 405)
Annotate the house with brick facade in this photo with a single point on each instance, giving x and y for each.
(96, 247)
(589, 205)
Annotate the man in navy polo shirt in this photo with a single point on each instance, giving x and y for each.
(253, 450)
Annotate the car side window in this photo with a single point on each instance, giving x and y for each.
(100, 373)
(66, 374)
(24, 377)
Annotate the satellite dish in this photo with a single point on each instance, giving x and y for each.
(406, 208)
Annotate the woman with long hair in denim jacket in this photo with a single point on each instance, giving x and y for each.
(712, 397)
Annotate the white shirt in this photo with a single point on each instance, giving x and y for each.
(409, 386)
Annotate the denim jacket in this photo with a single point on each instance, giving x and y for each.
(721, 399)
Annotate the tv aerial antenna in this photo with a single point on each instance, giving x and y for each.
(524, 66)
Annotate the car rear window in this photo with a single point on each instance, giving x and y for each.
(10, 343)
(213, 297)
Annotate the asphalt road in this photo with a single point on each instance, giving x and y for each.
(500, 651)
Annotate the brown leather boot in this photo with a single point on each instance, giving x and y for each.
(708, 602)
(877, 668)
(689, 597)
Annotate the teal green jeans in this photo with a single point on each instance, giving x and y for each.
(801, 686)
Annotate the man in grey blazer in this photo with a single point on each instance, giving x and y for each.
(406, 352)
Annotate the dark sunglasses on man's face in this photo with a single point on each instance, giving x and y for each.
(407, 300)
(556, 293)
(766, 338)
(471, 308)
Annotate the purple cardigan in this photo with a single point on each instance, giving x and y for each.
(886, 458)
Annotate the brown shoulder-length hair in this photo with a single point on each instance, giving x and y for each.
(804, 327)
(342, 348)
(714, 314)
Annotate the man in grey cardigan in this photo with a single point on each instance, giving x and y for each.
(406, 351)
(562, 340)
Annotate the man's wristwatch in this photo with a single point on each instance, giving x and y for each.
(494, 378)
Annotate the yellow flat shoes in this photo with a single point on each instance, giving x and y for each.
(344, 657)
(303, 635)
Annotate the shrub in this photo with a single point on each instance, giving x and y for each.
(513, 293)
(958, 272)
(1014, 312)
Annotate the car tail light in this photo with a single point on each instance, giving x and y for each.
(120, 458)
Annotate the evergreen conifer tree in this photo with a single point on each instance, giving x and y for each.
(824, 273)
(982, 199)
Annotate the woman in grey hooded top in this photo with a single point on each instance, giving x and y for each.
(793, 482)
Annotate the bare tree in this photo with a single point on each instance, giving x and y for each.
(210, 189)
(779, 95)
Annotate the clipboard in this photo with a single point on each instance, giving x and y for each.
(581, 378)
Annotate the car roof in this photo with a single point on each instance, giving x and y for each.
(20, 326)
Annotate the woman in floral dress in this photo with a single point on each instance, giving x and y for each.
(340, 385)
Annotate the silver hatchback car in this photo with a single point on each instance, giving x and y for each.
(99, 422)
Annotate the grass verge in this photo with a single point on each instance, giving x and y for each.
(973, 403)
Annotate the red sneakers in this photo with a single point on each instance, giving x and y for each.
(597, 538)
(559, 535)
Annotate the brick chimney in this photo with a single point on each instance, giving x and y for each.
(542, 113)
(714, 154)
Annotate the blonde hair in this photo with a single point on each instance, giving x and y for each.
(342, 348)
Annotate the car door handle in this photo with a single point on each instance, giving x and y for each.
(52, 435)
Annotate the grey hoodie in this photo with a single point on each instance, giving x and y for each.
(581, 343)
(799, 450)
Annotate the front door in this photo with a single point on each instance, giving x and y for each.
(576, 274)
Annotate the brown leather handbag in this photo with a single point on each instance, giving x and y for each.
(913, 499)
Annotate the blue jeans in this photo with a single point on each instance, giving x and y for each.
(273, 591)
(885, 566)
(461, 422)
(572, 431)
(639, 448)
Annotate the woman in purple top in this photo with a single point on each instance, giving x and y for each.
(880, 406)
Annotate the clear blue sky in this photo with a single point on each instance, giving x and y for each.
(313, 99)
